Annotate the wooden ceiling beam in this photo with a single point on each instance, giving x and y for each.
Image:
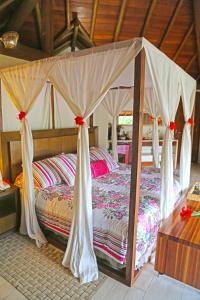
(20, 15)
(194, 57)
(66, 34)
(5, 4)
(61, 49)
(67, 15)
(120, 19)
(47, 39)
(196, 11)
(182, 44)
(24, 52)
(84, 40)
(74, 38)
(38, 20)
(171, 22)
(148, 17)
(94, 17)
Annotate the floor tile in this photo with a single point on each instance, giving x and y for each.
(15, 295)
(144, 280)
(134, 294)
(5, 290)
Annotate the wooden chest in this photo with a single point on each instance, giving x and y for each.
(178, 247)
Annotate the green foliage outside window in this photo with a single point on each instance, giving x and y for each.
(125, 120)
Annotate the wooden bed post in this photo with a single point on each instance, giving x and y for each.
(136, 164)
(52, 106)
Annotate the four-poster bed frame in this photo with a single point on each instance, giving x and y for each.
(50, 142)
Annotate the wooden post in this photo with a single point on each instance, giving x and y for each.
(136, 164)
(1, 118)
(196, 129)
(91, 121)
(52, 107)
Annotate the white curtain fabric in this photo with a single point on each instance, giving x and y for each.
(83, 82)
(188, 91)
(114, 103)
(151, 106)
(24, 85)
(166, 81)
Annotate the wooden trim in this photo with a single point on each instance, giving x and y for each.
(196, 12)
(148, 17)
(94, 16)
(5, 4)
(191, 62)
(1, 118)
(47, 41)
(171, 22)
(24, 52)
(53, 107)
(20, 15)
(191, 28)
(138, 107)
(67, 14)
(120, 19)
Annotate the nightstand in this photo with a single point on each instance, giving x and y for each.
(9, 209)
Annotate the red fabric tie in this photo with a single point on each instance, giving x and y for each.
(22, 115)
(151, 118)
(79, 120)
(190, 121)
(172, 125)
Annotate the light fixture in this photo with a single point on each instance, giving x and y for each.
(10, 39)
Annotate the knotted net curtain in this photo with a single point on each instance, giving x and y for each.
(114, 102)
(166, 81)
(188, 91)
(83, 82)
(151, 106)
(24, 84)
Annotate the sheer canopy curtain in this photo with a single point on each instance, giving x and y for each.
(83, 82)
(152, 108)
(166, 81)
(24, 85)
(188, 92)
(114, 102)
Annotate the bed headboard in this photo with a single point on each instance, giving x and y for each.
(46, 144)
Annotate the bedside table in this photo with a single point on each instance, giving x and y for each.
(9, 209)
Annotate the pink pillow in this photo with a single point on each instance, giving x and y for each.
(99, 168)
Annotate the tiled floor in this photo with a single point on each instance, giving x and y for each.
(149, 286)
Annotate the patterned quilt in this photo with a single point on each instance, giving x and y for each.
(110, 212)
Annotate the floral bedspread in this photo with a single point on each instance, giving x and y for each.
(110, 195)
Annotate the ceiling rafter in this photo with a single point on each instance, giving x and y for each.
(47, 39)
(38, 20)
(94, 17)
(67, 14)
(182, 44)
(120, 20)
(148, 17)
(196, 11)
(20, 15)
(190, 63)
(5, 4)
(171, 22)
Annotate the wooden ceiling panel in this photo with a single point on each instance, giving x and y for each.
(107, 14)
(84, 10)
(160, 19)
(134, 19)
(28, 33)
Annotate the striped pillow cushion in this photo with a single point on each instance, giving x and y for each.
(44, 175)
(65, 166)
(102, 154)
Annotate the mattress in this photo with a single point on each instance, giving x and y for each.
(110, 200)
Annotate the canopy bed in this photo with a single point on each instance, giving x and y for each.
(84, 79)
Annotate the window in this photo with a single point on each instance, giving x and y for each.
(125, 118)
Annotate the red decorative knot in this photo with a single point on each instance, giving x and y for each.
(186, 212)
(190, 121)
(79, 120)
(6, 180)
(151, 118)
(172, 125)
(22, 115)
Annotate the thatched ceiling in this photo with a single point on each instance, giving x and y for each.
(46, 25)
